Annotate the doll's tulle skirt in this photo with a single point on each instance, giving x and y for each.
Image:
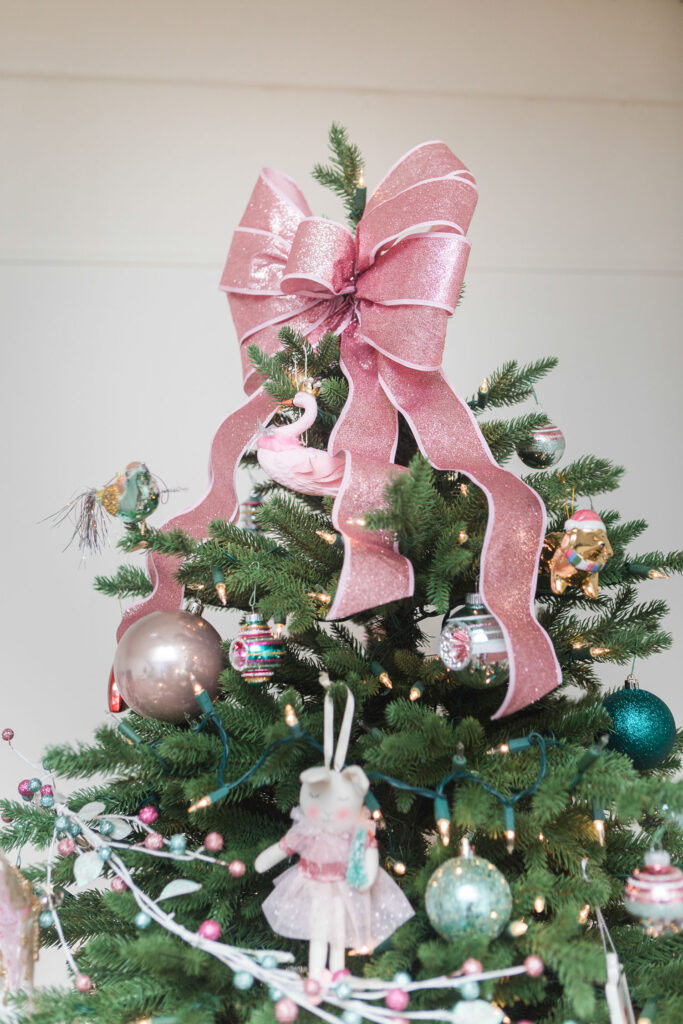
(300, 907)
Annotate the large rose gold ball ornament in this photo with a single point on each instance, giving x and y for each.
(161, 657)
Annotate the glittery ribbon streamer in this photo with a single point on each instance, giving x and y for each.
(389, 292)
(230, 442)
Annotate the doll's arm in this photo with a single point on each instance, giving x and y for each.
(269, 857)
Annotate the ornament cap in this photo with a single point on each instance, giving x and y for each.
(631, 683)
(657, 859)
(194, 606)
(254, 618)
(474, 600)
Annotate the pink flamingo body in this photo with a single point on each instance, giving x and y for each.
(285, 459)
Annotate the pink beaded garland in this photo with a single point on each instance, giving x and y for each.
(286, 1011)
(66, 846)
(148, 815)
(210, 929)
(534, 966)
(7, 734)
(213, 842)
(236, 868)
(311, 988)
(339, 975)
(24, 788)
(83, 982)
(154, 841)
(118, 884)
(46, 791)
(397, 999)
(471, 966)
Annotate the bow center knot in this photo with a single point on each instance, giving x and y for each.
(321, 261)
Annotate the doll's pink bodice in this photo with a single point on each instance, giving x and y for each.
(323, 856)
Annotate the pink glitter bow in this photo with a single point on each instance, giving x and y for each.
(389, 292)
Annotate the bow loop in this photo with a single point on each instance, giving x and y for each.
(320, 262)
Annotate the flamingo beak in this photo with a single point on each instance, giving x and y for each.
(290, 401)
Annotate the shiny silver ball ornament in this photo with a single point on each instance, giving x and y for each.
(468, 896)
(472, 644)
(161, 657)
(544, 447)
(654, 894)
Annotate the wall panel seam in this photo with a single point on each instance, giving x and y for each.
(360, 90)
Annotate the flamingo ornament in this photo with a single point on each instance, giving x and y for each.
(287, 461)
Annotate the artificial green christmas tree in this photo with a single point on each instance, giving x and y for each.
(559, 801)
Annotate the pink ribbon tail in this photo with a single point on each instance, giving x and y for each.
(230, 441)
(374, 572)
(450, 438)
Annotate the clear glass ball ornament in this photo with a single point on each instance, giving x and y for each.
(472, 644)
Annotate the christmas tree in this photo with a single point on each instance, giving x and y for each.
(466, 836)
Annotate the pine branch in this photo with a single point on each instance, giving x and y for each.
(512, 384)
(128, 581)
(344, 172)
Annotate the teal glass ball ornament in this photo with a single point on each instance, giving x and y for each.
(642, 725)
(243, 980)
(468, 895)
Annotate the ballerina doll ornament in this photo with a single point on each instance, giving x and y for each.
(337, 897)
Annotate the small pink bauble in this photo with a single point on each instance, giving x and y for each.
(286, 1011)
(471, 966)
(46, 791)
(148, 815)
(213, 842)
(339, 975)
(312, 988)
(154, 841)
(118, 884)
(236, 868)
(534, 966)
(210, 929)
(8, 734)
(397, 999)
(66, 846)
(83, 982)
(24, 788)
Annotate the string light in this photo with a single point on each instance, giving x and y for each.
(657, 574)
(541, 837)
(443, 820)
(319, 595)
(509, 819)
(279, 624)
(397, 866)
(583, 913)
(464, 490)
(327, 536)
(219, 583)
(416, 691)
(539, 905)
(517, 928)
(483, 394)
(290, 716)
(462, 537)
(598, 814)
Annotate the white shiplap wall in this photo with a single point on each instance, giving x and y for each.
(132, 134)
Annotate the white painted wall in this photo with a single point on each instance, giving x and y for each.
(132, 134)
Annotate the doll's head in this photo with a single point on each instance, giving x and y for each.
(333, 799)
